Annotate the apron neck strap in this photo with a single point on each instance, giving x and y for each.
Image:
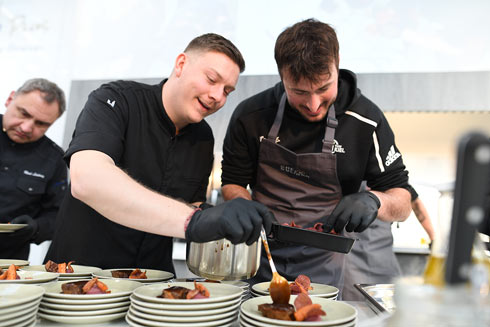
(331, 124)
(274, 131)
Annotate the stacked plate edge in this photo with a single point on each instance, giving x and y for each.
(318, 290)
(153, 276)
(338, 314)
(79, 272)
(220, 309)
(19, 304)
(86, 308)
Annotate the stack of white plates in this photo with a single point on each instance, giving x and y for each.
(220, 309)
(5, 263)
(86, 308)
(151, 274)
(79, 272)
(319, 290)
(338, 314)
(19, 304)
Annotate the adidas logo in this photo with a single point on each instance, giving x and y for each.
(392, 156)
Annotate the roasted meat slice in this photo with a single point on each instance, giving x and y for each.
(277, 311)
(51, 266)
(175, 292)
(121, 273)
(73, 287)
(93, 286)
(61, 268)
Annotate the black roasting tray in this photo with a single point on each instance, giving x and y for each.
(326, 241)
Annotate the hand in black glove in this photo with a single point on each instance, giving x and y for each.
(205, 206)
(355, 212)
(238, 220)
(28, 232)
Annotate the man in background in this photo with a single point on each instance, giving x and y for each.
(32, 171)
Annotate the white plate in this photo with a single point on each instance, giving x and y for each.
(182, 319)
(321, 290)
(15, 294)
(29, 322)
(153, 275)
(184, 307)
(247, 322)
(74, 302)
(5, 263)
(67, 313)
(19, 313)
(82, 320)
(189, 313)
(147, 322)
(18, 319)
(78, 270)
(84, 307)
(9, 228)
(19, 307)
(218, 293)
(118, 288)
(31, 277)
(337, 312)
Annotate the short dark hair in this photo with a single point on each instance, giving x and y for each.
(215, 42)
(306, 50)
(50, 91)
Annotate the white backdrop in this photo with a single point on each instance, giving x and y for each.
(65, 40)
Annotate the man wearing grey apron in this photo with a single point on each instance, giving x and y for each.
(305, 145)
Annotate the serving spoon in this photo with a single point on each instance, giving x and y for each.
(279, 287)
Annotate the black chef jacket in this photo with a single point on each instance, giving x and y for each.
(32, 182)
(127, 121)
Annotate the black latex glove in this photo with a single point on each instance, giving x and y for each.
(238, 220)
(28, 232)
(355, 212)
(205, 206)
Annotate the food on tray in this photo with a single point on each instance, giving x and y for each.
(318, 227)
(61, 268)
(10, 273)
(93, 286)
(128, 273)
(303, 310)
(178, 292)
(301, 284)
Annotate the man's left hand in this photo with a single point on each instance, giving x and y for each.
(28, 232)
(355, 212)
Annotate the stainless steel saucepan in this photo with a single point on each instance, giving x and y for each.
(222, 260)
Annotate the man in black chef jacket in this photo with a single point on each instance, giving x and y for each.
(305, 145)
(32, 171)
(135, 149)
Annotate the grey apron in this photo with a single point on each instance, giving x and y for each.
(371, 260)
(303, 188)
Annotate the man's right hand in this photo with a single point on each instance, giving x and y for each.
(237, 220)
